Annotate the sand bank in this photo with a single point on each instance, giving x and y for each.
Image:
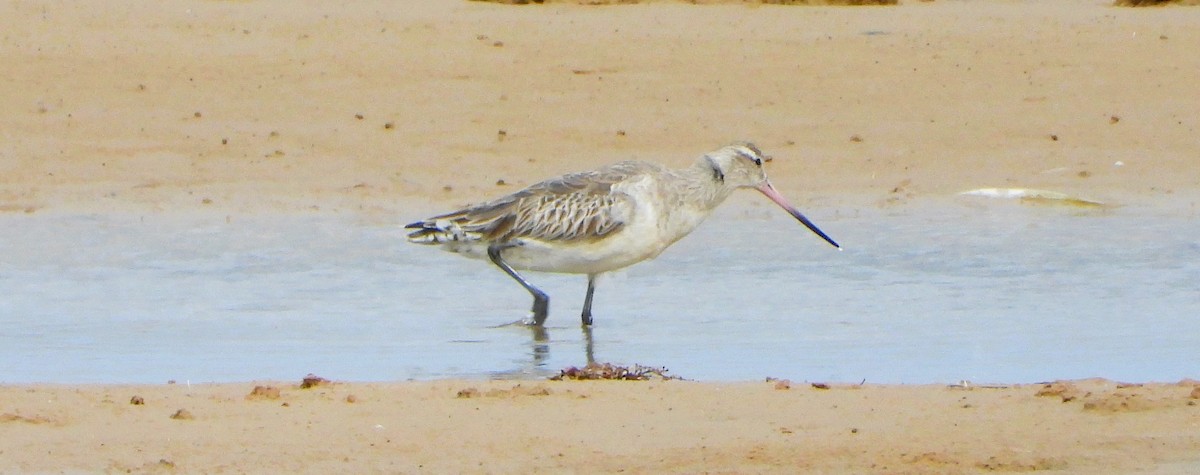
(380, 107)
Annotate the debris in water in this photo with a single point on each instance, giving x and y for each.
(1028, 195)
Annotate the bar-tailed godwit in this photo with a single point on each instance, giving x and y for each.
(601, 220)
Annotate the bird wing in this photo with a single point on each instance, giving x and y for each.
(578, 207)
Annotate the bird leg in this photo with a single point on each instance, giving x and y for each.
(589, 347)
(541, 302)
(587, 301)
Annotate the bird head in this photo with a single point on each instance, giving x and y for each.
(740, 165)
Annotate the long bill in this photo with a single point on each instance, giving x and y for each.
(769, 190)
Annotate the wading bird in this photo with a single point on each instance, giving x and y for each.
(599, 221)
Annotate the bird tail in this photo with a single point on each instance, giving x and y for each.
(428, 232)
(440, 230)
(489, 221)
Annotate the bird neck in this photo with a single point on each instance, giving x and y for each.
(702, 185)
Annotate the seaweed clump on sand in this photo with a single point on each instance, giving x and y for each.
(579, 2)
(853, 3)
(1154, 3)
(609, 371)
(762, 2)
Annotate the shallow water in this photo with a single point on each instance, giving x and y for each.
(958, 289)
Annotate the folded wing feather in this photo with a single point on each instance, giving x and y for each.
(579, 207)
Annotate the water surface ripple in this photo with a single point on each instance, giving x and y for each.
(979, 290)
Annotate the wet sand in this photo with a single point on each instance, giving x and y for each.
(392, 110)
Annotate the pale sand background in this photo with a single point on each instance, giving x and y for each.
(250, 106)
(100, 99)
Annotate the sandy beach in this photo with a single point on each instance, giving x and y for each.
(391, 110)
(601, 426)
(247, 106)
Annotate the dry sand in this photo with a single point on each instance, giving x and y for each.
(601, 426)
(254, 106)
(393, 109)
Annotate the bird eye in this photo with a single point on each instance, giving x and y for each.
(752, 155)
